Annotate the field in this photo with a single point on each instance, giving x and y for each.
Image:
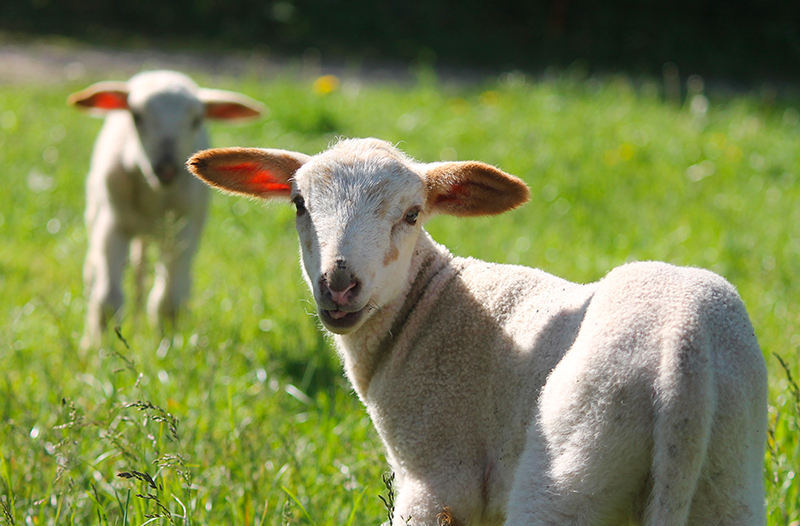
(242, 416)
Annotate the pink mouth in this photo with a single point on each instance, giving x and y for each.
(339, 320)
(338, 314)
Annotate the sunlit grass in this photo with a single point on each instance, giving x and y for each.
(243, 417)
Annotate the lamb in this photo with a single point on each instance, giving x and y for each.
(137, 186)
(503, 394)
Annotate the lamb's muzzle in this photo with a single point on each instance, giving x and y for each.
(339, 293)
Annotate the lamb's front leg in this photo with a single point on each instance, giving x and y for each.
(432, 500)
(103, 270)
(416, 506)
(173, 279)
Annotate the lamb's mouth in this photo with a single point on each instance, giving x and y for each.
(340, 321)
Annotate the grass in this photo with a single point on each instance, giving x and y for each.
(242, 415)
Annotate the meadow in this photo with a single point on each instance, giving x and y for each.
(242, 416)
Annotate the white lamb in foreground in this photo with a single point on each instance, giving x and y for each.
(504, 394)
(138, 186)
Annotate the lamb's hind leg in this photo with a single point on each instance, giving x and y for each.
(685, 403)
(734, 497)
(730, 491)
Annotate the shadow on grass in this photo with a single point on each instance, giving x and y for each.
(319, 372)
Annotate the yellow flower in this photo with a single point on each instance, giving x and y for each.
(325, 84)
(625, 151)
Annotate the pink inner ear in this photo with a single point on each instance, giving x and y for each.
(228, 110)
(257, 179)
(109, 101)
(454, 194)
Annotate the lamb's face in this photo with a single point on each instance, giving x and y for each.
(359, 213)
(360, 209)
(169, 119)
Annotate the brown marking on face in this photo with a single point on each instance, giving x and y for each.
(391, 255)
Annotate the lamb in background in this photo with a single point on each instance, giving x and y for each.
(504, 394)
(137, 186)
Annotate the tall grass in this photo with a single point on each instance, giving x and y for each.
(242, 415)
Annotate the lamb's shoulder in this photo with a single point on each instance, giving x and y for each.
(515, 294)
(501, 287)
(497, 309)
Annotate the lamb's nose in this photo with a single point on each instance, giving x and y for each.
(341, 297)
(339, 284)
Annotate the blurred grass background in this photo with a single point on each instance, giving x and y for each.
(242, 416)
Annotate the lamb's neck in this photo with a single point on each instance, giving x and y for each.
(365, 349)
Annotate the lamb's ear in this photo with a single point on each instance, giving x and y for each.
(101, 97)
(253, 172)
(472, 188)
(229, 105)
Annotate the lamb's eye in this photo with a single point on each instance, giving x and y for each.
(196, 122)
(411, 216)
(299, 204)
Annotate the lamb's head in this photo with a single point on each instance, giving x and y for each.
(360, 210)
(167, 110)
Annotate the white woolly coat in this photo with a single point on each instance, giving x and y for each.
(653, 368)
(504, 394)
